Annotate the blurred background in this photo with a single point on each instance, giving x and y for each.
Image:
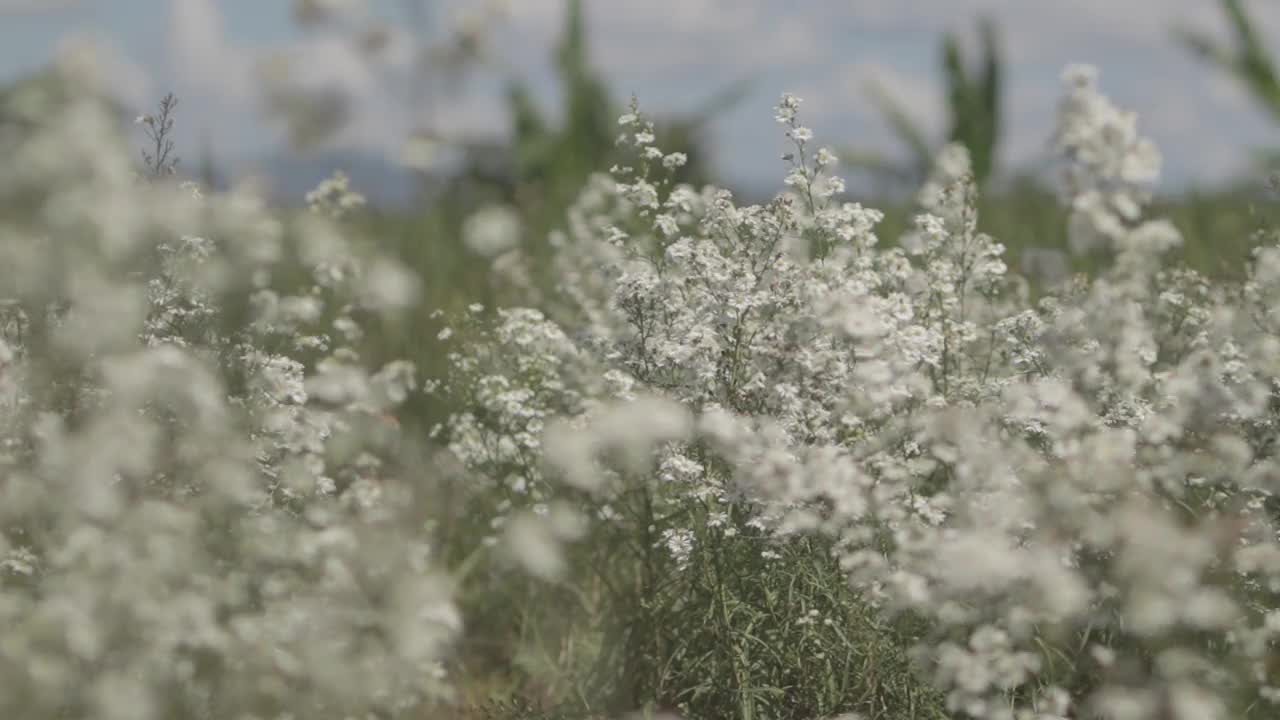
(438, 108)
(447, 69)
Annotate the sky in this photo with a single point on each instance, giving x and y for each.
(673, 55)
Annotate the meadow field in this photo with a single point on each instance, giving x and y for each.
(583, 434)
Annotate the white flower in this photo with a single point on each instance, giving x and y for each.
(491, 231)
(801, 134)
(787, 108)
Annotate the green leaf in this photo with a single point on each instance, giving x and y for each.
(974, 102)
(990, 94)
(1205, 47)
(1249, 60)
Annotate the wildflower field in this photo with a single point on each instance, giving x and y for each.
(636, 448)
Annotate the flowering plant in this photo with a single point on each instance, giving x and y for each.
(786, 469)
(200, 513)
(1065, 504)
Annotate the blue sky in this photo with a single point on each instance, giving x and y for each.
(672, 54)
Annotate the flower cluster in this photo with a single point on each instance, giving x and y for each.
(774, 430)
(203, 513)
(1111, 166)
(1075, 494)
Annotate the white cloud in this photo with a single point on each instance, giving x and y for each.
(122, 78)
(223, 80)
(203, 60)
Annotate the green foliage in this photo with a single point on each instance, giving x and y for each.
(974, 105)
(755, 629)
(1248, 60)
(1219, 226)
(974, 99)
(550, 164)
